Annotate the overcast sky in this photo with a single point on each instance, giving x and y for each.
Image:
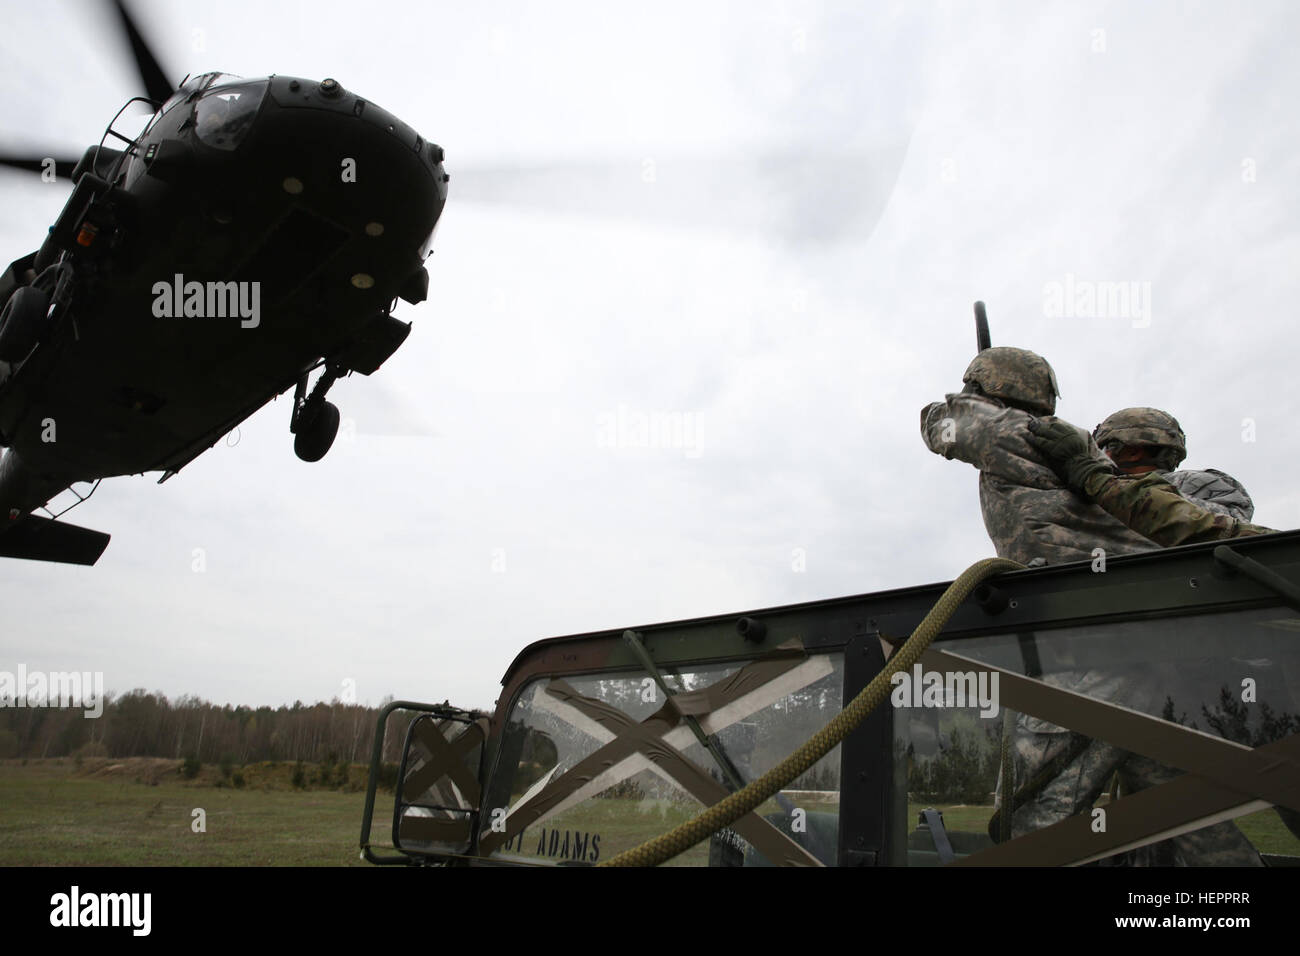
(765, 223)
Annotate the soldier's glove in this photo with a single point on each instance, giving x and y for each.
(1067, 452)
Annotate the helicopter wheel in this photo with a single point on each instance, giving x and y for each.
(21, 323)
(316, 430)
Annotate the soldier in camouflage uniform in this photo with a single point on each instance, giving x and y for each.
(1149, 504)
(1152, 505)
(1032, 518)
(1145, 440)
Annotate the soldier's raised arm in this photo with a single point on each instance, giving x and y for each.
(982, 424)
(1149, 505)
(1142, 439)
(954, 428)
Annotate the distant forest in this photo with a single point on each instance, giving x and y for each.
(141, 724)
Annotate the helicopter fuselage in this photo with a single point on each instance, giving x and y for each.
(256, 229)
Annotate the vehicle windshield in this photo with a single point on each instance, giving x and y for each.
(1233, 676)
(593, 765)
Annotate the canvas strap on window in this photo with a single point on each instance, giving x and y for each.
(655, 744)
(1222, 775)
(448, 779)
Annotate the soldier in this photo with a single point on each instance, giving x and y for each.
(1150, 504)
(1145, 440)
(1032, 518)
(1028, 514)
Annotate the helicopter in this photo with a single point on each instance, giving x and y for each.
(256, 231)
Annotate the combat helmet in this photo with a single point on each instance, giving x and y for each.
(1144, 426)
(1017, 376)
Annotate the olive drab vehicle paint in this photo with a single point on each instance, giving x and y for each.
(574, 751)
(577, 751)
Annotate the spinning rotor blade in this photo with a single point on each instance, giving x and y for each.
(155, 80)
(35, 163)
(820, 197)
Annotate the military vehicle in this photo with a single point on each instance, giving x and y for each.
(601, 742)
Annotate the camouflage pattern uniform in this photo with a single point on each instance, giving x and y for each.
(1150, 505)
(1153, 505)
(1160, 434)
(1031, 516)
(1028, 512)
(1077, 785)
(1213, 490)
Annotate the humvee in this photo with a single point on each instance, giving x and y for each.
(600, 742)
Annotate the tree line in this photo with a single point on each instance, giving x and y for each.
(142, 724)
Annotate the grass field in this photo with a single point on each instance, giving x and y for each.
(53, 813)
(141, 812)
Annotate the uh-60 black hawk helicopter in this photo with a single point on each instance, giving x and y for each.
(256, 231)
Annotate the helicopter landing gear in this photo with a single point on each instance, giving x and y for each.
(315, 421)
(22, 322)
(316, 430)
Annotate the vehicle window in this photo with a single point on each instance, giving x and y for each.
(1234, 676)
(596, 765)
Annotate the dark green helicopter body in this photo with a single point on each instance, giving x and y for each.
(258, 229)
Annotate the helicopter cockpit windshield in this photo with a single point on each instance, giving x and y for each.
(187, 92)
(225, 111)
(188, 89)
(220, 106)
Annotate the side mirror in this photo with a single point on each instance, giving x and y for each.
(437, 792)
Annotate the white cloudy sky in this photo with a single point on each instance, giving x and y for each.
(832, 188)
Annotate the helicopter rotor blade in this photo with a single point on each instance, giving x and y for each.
(819, 197)
(156, 85)
(37, 163)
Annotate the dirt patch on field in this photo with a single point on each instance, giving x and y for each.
(147, 770)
